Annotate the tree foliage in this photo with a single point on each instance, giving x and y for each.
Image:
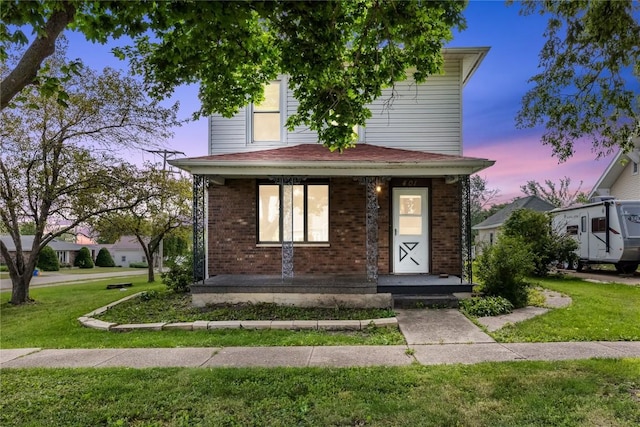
(534, 230)
(338, 54)
(589, 83)
(48, 260)
(104, 258)
(83, 258)
(166, 207)
(560, 195)
(56, 163)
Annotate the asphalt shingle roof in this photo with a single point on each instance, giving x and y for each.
(531, 202)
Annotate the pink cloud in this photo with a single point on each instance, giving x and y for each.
(524, 159)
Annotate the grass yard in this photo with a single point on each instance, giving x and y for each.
(599, 312)
(581, 393)
(51, 322)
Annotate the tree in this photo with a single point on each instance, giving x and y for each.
(547, 246)
(48, 260)
(56, 163)
(83, 259)
(338, 54)
(481, 197)
(590, 69)
(167, 207)
(560, 196)
(104, 259)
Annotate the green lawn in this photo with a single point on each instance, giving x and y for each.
(599, 312)
(51, 322)
(580, 393)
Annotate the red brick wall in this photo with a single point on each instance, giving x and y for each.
(445, 227)
(232, 231)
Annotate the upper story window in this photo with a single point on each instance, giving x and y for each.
(634, 168)
(266, 120)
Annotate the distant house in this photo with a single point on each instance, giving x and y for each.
(127, 250)
(621, 179)
(66, 251)
(489, 229)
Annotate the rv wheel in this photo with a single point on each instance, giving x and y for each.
(626, 268)
(580, 266)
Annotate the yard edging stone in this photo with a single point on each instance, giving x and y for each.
(88, 321)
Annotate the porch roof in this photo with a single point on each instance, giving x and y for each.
(317, 160)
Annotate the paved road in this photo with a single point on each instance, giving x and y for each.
(53, 279)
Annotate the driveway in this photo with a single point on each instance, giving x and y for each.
(605, 276)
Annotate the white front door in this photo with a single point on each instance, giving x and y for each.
(410, 239)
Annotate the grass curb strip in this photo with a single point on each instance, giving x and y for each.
(89, 321)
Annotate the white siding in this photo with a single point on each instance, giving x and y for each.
(425, 117)
(627, 186)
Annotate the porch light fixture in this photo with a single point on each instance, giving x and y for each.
(378, 188)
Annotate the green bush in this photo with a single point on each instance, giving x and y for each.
(503, 267)
(48, 260)
(486, 306)
(180, 275)
(138, 265)
(4, 267)
(83, 259)
(547, 246)
(104, 259)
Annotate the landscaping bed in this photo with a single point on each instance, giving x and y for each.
(165, 306)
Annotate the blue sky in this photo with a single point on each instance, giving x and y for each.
(491, 101)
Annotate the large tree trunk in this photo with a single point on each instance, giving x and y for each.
(20, 289)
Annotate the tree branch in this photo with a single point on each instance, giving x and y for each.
(43, 46)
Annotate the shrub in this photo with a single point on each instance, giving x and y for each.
(4, 267)
(502, 269)
(83, 259)
(48, 260)
(547, 247)
(486, 306)
(104, 259)
(138, 265)
(179, 277)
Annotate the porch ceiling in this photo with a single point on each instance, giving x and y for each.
(317, 160)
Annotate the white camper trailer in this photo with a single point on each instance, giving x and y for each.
(607, 232)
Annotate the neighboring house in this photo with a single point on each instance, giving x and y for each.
(621, 179)
(127, 250)
(66, 251)
(277, 213)
(489, 229)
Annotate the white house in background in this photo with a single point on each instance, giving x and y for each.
(127, 250)
(489, 229)
(66, 251)
(621, 179)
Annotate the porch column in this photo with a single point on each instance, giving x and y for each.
(286, 184)
(371, 183)
(199, 228)
(465, 228)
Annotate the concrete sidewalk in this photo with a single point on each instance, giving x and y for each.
(325, 356)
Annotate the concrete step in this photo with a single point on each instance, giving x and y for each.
(422, 301)
(431, 289)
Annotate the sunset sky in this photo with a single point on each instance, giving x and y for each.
(491, 102)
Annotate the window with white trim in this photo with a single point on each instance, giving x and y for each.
(310, 212)
(266, 120)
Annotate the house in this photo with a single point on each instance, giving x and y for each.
(280, 218)
(620, 179)
(66, 251)
(127, 250)
(489, 229)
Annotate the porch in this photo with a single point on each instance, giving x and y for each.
(328, 290)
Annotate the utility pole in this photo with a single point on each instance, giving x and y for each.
(165, 155)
